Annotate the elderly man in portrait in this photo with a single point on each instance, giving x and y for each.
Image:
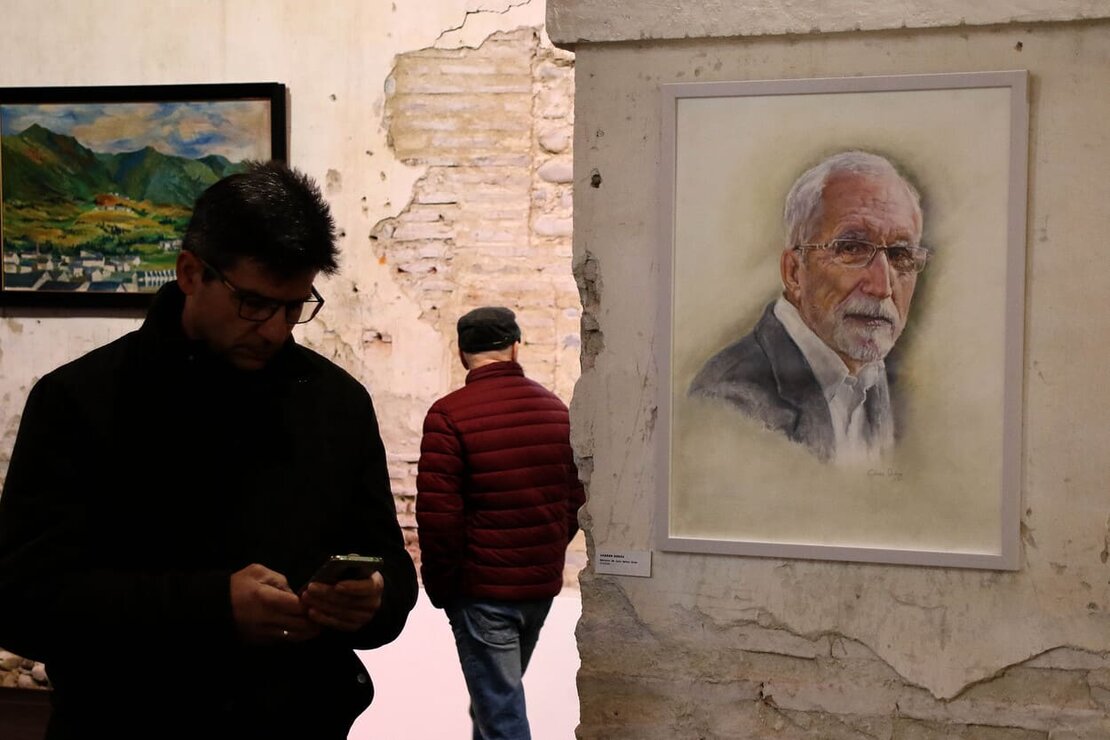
(814, 367)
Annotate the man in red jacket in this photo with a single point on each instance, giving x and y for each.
(497, 503)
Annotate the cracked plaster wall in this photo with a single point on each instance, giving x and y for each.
(580, 21)
(484, 198)
(731, 647)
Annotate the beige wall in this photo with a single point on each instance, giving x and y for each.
(440, 131)
(720, 646)
(599, 21)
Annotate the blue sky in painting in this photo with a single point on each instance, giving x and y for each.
(235, 129)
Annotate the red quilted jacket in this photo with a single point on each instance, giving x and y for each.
(498, 491)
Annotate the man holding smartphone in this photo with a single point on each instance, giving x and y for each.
(496, 505)
(171, 494)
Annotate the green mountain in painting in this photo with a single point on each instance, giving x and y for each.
(222, 166)
(40, 165)
(150, 175)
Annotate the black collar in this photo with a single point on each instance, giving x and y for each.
(163, 331)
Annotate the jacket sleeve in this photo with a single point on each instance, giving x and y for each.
(49, 540)
(440, 517)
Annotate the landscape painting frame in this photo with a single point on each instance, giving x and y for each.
(98, 182)
(948, 492)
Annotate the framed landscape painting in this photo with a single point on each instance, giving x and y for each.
(98, 183)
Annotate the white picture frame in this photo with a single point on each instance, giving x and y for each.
(950, 493)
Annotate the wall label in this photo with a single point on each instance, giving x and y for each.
(624, 562)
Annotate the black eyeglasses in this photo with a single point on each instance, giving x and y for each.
(254, 307)
(904, 258)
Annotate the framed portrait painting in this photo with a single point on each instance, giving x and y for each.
(843, 271)
(98, 183)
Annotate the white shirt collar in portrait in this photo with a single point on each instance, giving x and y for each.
(844, 393)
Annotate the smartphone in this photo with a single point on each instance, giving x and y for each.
(346, 567)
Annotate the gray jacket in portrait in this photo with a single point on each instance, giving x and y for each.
(765, 376)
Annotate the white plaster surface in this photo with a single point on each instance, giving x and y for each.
(334, 57)
(939, 629)
(578, 21)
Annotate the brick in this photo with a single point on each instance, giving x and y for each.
(552, 226)
(411, 230)
(431, 213)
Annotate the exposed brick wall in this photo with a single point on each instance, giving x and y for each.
(490, 221)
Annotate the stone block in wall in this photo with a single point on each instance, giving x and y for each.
(413, 229)
(549, 226)
(432, 213)
(555, 140)
(553, 70)
(490, 184)
(557, 171)
(554, 103)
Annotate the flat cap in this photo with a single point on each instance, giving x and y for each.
(487, 328)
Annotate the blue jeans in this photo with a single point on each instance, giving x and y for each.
(495, 640)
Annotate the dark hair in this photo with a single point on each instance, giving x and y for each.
(272, 214)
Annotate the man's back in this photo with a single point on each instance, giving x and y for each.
(499, 491)
(496, 505)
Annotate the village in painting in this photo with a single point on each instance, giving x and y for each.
(84, 219)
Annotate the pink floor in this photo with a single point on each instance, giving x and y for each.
(420, 690)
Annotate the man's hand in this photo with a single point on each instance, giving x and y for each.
(348, 606)
(265, 609)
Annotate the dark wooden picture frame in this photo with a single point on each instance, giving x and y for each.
(98, 182)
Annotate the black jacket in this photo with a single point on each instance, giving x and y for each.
(144, 474)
